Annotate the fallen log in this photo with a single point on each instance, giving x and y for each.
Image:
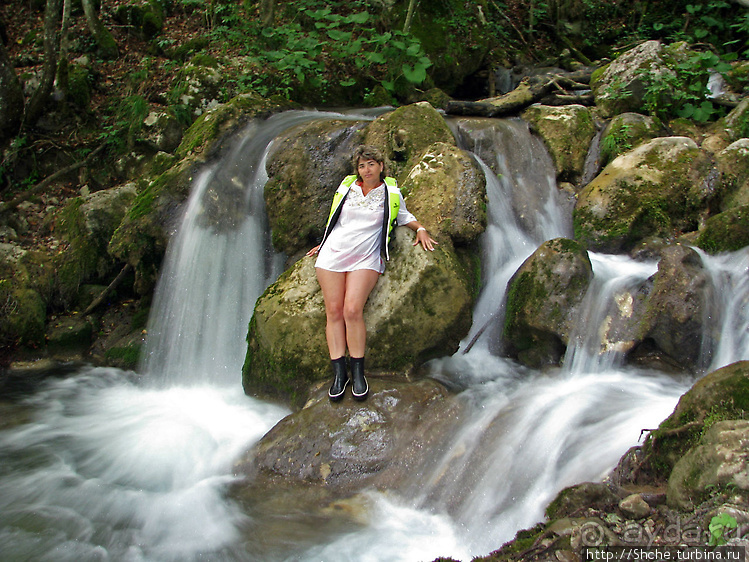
(530, 90)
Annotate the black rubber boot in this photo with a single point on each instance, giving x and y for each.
(340, 379)
(360, 388)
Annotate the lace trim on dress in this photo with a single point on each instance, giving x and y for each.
(372, 202)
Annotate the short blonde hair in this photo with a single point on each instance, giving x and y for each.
(368, 152)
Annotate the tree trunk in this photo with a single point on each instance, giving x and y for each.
(11, 97)
(41, 96)
(104, 39)
(62, 67)
(409, 16)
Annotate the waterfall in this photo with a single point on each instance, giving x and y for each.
(110, 468)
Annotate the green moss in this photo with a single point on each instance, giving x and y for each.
(124, 357)
(726, 232)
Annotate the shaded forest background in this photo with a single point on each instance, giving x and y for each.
(79, 76)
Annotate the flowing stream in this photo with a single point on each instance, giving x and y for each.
(115, 465)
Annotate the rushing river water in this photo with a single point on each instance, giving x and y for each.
(115, 465)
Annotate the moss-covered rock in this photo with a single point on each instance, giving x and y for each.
(145, 17)
(725, 232)
(720, 461)
(446, 190)
(718, 396)
(729, 129)
(662, 188)
(733, 165)
(543, 299)
(142, 236)
(625, 132)
(404, 134)
(87, 224)
(419, 309)
(567, 132)
(305, 168)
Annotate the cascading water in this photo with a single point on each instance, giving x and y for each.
(111, 469)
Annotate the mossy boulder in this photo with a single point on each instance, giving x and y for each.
(662, 188)
(26, 280)
(305, 168)
(404, 134)
(720, 461)
(622, 85)
(87, 225)
(145, 17)
(543, 302)
(733, 165)
(446, 190)
(729, 129)
(725, 232)
(419, 309)
(625, 132)
(718, 396)
(567, 132)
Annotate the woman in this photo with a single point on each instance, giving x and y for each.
(365, 209)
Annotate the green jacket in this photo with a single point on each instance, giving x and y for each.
(391, 206)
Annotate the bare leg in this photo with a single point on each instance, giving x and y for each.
(359, 284)
(333, 286)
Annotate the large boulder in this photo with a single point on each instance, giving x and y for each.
(304, 169)
(625, 132)
(628, 83)
(567, 132)
(676, 318)
(733, 164)
(143, 235)
(404, 134)
(86, 224)
(720, 395)
(725, 232)
(729, 129)
(419, 309)
(26, 279)
(720, 461)
(343, 448)
(661, 188)
(543, 300)
(446, 190)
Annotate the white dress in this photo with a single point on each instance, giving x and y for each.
(354, 242)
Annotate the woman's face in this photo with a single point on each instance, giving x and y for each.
(370, 170)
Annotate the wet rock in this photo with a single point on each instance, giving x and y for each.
(543, 300)
(720, 395)
(676, 308)
(343, 448)
(625, 132)
(304, 169)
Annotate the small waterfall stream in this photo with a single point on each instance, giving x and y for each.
(108, 468)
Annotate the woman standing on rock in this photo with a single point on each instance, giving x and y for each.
(365, 208)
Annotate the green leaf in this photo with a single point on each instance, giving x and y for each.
(349, 82)
(376, 58)
(361, 17)
(416, 74)
(337, 35)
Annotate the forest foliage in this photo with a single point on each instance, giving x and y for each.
(313, 52)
